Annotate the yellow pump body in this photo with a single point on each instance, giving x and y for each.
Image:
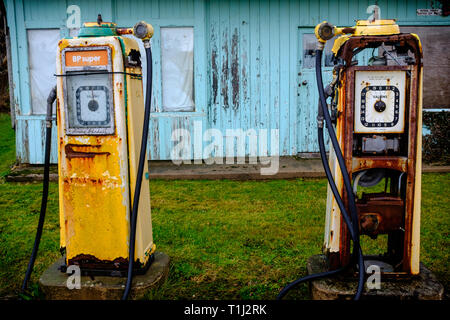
(100, 109)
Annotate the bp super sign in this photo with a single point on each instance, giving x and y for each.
(86, 58)
(379, 101)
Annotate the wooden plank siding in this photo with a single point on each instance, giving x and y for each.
(246, 62)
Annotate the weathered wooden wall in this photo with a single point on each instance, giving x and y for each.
(247, 61)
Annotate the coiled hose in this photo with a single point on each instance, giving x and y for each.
(48, 142)
(353, 227)
(137, 190)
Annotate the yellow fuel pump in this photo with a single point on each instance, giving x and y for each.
(373, 115)
(100, 99)
(105, 216)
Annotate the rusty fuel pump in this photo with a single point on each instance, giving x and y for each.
(105, 216)
(373, 114)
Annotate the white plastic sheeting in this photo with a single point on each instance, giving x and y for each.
(42, 46)
(177, 68)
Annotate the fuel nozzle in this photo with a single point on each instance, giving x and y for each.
(324, 31)
(144, 31)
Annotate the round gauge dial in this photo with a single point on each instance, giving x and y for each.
(92, 105)
(380, 106)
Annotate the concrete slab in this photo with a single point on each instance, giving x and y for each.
(289, 168)
(54, 283)
(423, 287)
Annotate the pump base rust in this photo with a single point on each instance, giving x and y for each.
(54, 283)
(424, 286)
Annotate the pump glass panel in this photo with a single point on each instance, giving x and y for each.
(89, 94)
(89, 102)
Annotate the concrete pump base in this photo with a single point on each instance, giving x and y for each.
(54, 283)
(422, 287)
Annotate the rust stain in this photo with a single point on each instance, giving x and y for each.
(119, 88)
(402, 40)
(88, 261)
(71, 153)
(235, 68)
(380, 213)
(395, 163)
(82, 180)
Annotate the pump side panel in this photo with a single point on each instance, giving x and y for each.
(93, 175)
(333, 215)
(415, 236)
(135, 117)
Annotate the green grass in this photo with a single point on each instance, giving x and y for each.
(226, 239)
(7, 144)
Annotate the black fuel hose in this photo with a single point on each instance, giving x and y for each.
(357, 252)
(354, 231)
(48, 141)
(137, 190)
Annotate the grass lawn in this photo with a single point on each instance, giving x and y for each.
(226, 239)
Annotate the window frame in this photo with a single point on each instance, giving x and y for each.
(200, 68)
(194, 107)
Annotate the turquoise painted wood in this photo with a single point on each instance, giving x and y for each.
(248, 63)
(307, 94)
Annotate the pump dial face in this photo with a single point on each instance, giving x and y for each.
(379, 101)
(93, 105)
(379, 106)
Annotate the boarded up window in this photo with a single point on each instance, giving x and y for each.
(177, 67)
(436, 64)
(42, 45)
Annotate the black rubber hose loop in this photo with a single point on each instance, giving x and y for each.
(140, 173)
(344, 213)
(353, 227)
(48, 142)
